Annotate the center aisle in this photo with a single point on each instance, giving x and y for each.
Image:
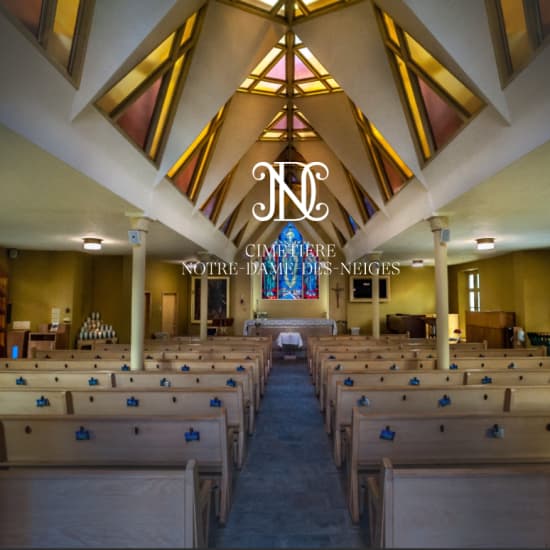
(289, 493)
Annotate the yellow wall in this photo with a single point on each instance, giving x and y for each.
(411, 291)
(511, 282)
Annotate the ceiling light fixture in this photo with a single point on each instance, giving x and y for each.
(92, 243)
(417, 263)
(486, 243)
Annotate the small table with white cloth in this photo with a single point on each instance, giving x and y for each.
(289, 339)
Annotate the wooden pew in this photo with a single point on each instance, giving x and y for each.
(443, 439)
(174, 379)
(170, 402)
(519, 362)
(529, 399)
(536, 351)
(368, 365)
(55, 379)
(387, 378)
(226, 366)
(108, 441)
(411, 400)
(34, 402)
(507, 377)
(460, 506)
(103, 508)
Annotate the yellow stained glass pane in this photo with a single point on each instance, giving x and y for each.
(306, 134)
(313, 62)
(247, 83)
(332, 83)
(313, 5)
(266, 61)
(136, 76)
(390, 28)
(202, 165)
(61, 41)
(297, 40)
(174, 77)
(283, 40)
(262, 4)
(516, 32)
(389, 149)
(312, 87)
(437, 72)
(264, 86)
(270, 134)
(188, 31)
(405, 79)
(190, 150)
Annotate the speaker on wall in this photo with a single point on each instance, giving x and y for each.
(134, 237)
(445, 235)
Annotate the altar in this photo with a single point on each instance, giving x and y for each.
(306, 327)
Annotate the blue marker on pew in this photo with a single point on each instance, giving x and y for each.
(82, 434)
(215, 402)
(414, 381)
(445, 401)
(192, 435)
(387, 434)
(348, 382)
(42, 402)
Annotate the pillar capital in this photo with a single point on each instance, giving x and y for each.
(374, 256)
(437, 223)
(138, 222)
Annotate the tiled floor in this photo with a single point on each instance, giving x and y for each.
(289, 494)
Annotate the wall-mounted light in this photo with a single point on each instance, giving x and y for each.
(486, 243)
(91, 243)
(417, 263)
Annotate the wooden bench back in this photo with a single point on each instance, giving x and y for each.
(101, 508)
(180, 402)
(496, 507)
(138, 441)
(391, 378)
(502, 363)
(33, 402)
(55, 379)
(449, 438)
(507, 377)
(368, 365)
(536, 351)
(529, 399)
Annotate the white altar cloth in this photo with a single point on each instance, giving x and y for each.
(289, 339)
(250, 324)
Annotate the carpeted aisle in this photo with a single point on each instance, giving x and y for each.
(289, 494)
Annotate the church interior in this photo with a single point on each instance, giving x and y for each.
(272, 273)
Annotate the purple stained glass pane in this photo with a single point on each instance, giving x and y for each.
(444, 121)
(396, 180)
(298, 123)
(27, 11)
(300, 70)
(279, 70)
(210, 205)
(183, 178)
(369, 206)
(137, 118)
(281, 124)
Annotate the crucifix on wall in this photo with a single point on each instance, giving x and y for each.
(337, 289)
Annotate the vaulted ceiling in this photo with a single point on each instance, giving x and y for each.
(177, 100)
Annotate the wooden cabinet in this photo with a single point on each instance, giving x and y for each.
(492, 326)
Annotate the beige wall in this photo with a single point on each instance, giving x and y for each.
(511, 282)
(411, 291)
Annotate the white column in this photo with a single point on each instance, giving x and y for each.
(204, 306)
(139, 250)
(438, 224)
(374, 258)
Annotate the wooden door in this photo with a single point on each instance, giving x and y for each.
(169, 313)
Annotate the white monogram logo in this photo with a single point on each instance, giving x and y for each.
(306, 204)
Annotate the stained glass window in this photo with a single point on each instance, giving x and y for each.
(290, 268)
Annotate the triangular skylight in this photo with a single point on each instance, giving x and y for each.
(285, 124)
(438, 104)
(187, 173)
(143, 101)
(300, 8)
(391, 172)
(289, 69)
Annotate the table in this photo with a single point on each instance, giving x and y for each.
(289, 339)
